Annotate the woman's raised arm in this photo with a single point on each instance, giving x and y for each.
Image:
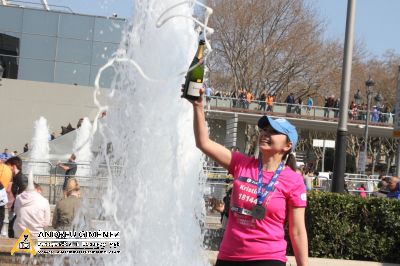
(214, 150)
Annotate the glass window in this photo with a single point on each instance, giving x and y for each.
(38, 70)
(74, 51)
(106, 76)
(38, 47)
(102, 52)
(11, 18)
(40, 22)
(15, 34)
(72, 73)
(108, 30)
(76, 26)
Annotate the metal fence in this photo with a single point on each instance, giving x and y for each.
(51, 178)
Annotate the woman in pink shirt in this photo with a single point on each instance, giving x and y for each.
(266, 192)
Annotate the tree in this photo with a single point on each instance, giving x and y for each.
(271, 46)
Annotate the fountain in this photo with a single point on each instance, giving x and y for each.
(155, 199)
(39, 154)
(83, 148)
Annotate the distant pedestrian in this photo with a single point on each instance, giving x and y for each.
(249, 99)
(270, 103)
(26, 147)
(362, 191)
(262, 101)
(394, 188)
(290, 101)
(70, 169)
(299, 106)
(336, 107)
(310, 103)
(208, 92)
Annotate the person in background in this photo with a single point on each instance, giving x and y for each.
(5, 155)
(386, 114)
(310, 103)
(299, 106)
(209, 92)
(66, 209)
(308, 180)
(249, 99)
(375, 114)
(270, 103)
(32, 211)
(346, 188)
(382, 187)
(290, 102)
(70, 169)
(362, 191)
(19, 184)
(394, 188)
(79, 124)
(227, 204)
(336, 106)
(242, 97)
(383, 184)
(5, 179)
(263, 101)
(26, 147)
(234, 96)
(329, 102)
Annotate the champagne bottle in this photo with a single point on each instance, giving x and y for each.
(194, 77)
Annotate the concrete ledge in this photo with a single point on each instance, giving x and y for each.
(6, 259)
(212, 256)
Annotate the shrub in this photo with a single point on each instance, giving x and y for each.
(342, 226)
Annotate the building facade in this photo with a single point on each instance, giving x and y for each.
(55, 46)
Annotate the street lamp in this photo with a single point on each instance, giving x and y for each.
(369, 83)
(357, 97)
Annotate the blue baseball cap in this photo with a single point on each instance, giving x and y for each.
(282, 126)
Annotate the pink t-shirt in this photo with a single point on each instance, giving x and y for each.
(247, 238)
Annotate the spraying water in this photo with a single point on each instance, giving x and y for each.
(83, 148)
(40, 148)
(155, 199)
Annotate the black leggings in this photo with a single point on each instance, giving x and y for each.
(251, 263)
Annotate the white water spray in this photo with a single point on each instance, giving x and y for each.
(83, 148)
(156, 198)
(39, 153)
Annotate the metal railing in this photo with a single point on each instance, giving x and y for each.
(296, 110)
(28, 4)
(51, 178)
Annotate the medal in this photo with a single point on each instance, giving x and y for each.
(258, 212)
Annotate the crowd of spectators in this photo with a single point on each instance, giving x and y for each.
(27, 207)
(380, 113)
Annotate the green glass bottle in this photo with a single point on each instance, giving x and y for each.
(194, 77)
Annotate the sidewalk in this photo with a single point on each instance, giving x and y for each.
(212, 256)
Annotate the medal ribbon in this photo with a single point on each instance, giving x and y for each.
(270, 187)
(261, 196)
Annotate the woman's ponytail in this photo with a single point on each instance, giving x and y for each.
(291, 161)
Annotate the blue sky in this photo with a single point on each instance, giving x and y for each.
(377, 24)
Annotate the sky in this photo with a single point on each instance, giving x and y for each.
(377, 24)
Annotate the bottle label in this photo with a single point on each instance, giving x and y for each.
(194, 88)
